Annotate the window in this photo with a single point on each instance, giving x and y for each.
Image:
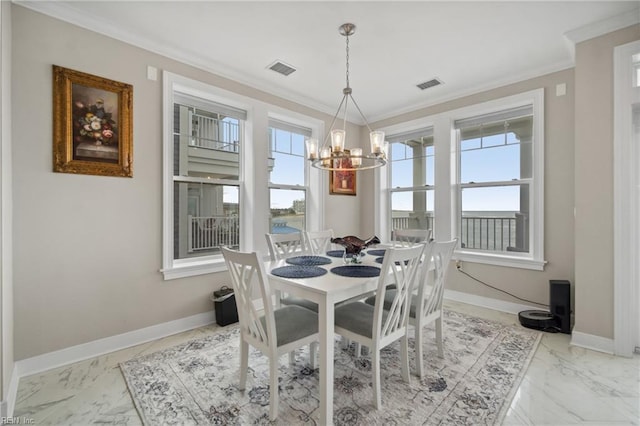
(411, 163)
(499, 191)
(204, 141)
(480, 171)
(495, 176)
(287, 178)
(228, 160)
(207, 139)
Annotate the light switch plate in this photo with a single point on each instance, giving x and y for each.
(152, 73)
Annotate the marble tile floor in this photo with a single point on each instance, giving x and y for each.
(563, 385)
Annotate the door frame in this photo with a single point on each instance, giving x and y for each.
(626, 204)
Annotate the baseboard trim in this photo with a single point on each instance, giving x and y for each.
(486, 302)
(12, 392)
(48, 361)
(589, 341)
(44, 362)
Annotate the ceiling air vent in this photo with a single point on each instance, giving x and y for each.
(431, 83)
(281, 68)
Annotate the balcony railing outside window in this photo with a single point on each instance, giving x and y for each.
(213, 232)
(493, 233)
(212, 133)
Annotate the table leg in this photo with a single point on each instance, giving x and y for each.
(326, 319)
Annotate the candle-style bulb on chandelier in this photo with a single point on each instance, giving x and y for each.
(335, 156)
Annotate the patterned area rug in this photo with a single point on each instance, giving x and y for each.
(195, 383)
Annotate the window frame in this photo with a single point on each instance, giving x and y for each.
(534, 259)
(173, 268)
(414, 188)
(447, 185)
(253, 174)
(383, 190)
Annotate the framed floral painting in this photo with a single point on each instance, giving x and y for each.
(342, 182)
(92, 124)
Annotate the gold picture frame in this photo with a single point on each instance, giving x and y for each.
(342, 182)
(92, 124)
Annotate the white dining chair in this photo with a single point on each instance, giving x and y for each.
(426, 304)
(282, 246)
(375, 327)
(318, 242)
(409, 237)
(275, 332)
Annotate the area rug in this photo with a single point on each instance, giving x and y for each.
(195, 383)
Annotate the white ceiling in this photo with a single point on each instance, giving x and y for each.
(470, 46)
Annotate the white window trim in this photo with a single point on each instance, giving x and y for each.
(250, 213)
(180, 268)
(446, 197)
(535, 259)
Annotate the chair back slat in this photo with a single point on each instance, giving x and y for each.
(282, 246)
(400, 265)
(318, 242)
(410, 237)
(247, 272)
(440, 257)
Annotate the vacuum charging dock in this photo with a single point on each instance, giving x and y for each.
(559, 317)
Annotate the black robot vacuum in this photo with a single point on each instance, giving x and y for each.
(538, 320)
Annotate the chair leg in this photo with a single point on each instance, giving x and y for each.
(244, 363)
(439, 339)
(344, 342)
(313, 350)
(404, 354)
(357, 349)
(419, 343)
(273, 388)
(375, 373)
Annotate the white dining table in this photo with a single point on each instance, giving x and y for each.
(325, 290)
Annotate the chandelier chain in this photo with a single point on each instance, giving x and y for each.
(347, 61)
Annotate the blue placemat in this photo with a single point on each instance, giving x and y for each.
(356, 271)
(335, 253)
(298, 271)
(308, 260)
(379, 252)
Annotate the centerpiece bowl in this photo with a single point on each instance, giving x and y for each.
(354, 247)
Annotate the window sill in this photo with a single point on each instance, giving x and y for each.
(194, 268)
(500, 260)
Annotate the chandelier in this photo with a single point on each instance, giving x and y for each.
(335, 156)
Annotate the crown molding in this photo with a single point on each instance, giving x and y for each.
(596, 29)
(64, 11)
(605, 26)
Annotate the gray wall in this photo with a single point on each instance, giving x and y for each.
(88, 248)
(594, 181)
